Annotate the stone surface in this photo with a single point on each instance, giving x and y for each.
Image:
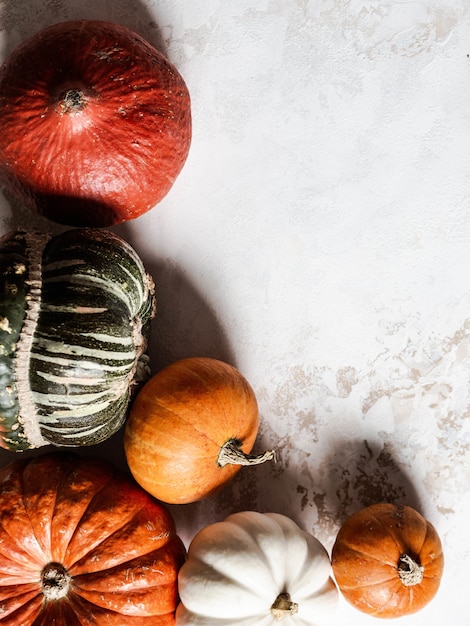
(318, 239)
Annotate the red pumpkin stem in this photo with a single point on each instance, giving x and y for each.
(283, 607)
(231, 453)
(409, 571)
(72, 101)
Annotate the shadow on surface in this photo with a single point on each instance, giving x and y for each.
(356, 475)
(364, 473)
(19, 19)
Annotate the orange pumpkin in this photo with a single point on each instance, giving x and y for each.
(190, 429)
(81, 544)
(387, 560)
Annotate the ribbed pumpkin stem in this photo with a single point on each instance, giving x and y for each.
(55, 581)
(283, 607)
(409, 571)
(231, 453)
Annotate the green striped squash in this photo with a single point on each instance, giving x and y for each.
(75, 312)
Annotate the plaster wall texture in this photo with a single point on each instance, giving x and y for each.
(318, 239)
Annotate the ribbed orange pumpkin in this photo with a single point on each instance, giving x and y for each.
(388, 560)
(81, 544)
(190, 429)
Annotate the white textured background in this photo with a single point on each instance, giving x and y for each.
(318, 238)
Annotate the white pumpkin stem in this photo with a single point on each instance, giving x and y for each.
(55, 581)
(409, 571)
(283, 607)
(231, 453)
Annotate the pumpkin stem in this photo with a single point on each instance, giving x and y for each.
(231, 453)
(283, 607)
(72, 101)
(55, 581)
(409, 571)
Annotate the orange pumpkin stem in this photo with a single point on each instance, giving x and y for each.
(410, 572)
(231, 453)
(55, 581)
(283, 607)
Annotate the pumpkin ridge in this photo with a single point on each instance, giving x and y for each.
(12, 559)
(79, 523)
(259, 551)
(404, 548)
(224, 576)
(235, 438)
(109, 535)
(207, 386)
(27, 512)
(34, 249)
(392, 599)
(401, 547)
(27, 562)
(83, 608)
(31, 609)
(368, 585)
(77, 520)
(22, 547)
(429, 535)
(253, 545)
(363, 553)
(82, 580)
(383, 607)
(64, 479)
(114, 596)
(199, 431)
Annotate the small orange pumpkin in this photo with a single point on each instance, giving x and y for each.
(190, 429)
(388, 560)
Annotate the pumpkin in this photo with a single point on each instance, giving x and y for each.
(190, 429)
(255, 569)
(75, 310)
(387, 560)
(82, 544)
(96, 123)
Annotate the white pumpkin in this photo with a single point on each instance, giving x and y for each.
(256, 569)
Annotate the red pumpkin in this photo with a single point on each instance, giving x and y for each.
(190, 429)
(96, 123)
(387, 560)
(81, 544)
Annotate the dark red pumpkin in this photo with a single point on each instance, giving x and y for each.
(81, 544)
(96, 123)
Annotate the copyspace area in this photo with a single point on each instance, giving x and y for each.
(317, 239)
